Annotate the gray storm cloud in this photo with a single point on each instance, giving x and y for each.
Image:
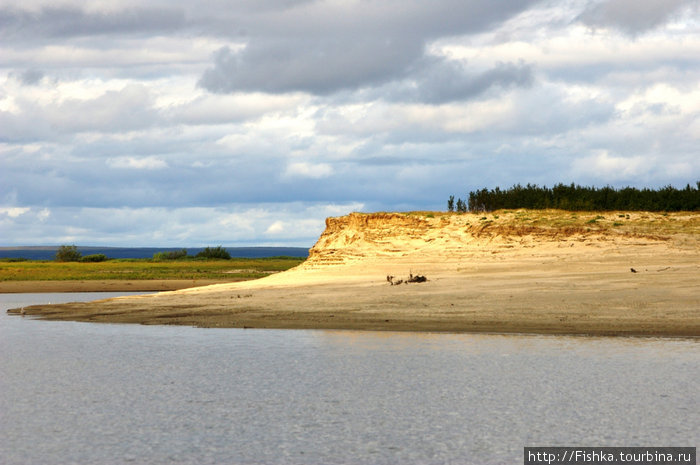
(321, 50)
(440, 81)
(70, 21)
(634, 16)
(31, 77)
(303, 65)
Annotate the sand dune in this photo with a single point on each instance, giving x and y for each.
(518, 271)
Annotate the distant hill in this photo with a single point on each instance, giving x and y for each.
(48, 252)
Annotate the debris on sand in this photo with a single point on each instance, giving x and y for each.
(411, 279)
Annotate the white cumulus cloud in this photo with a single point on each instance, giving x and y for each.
(275, 228)
(309, 170)
(14, 212)
(145, 163)
(610, 167)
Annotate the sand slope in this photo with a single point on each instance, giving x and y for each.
(519, 271)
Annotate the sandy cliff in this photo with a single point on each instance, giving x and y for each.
(359, 237)
(444, 243)
(620, 273)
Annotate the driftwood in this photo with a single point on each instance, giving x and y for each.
(417, 279)
(411, 279)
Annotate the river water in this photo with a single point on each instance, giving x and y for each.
(107, 394)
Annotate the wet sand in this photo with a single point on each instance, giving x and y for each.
(150, 285)
(547, 282)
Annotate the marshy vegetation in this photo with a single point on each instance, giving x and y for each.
(234, 269)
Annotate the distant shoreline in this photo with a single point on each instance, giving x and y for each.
(49, 252)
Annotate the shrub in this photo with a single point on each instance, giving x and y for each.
(171, 255)
(217, 252)
(98, 257)
(68, 253)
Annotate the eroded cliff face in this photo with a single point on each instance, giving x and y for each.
(386, 236)
(435, 236)
(358, 235)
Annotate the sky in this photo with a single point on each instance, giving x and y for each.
(238, 123)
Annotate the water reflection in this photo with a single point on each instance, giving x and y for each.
(102, 394)
(506, 343)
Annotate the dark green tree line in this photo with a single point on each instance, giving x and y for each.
(575, 197)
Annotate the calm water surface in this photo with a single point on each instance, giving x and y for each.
(108, 394)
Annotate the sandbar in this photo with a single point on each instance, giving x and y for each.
(506, 276)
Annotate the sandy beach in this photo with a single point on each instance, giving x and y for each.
(523, 272)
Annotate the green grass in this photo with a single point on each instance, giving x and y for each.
(139, 269)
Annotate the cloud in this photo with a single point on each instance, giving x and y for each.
(115, 110)
(309, 170)
(14, 212)
(288, 65)
(275, 228)
(225, 109)
(609, 167)
(71, 21)
(323, 47)
(633, 16)
(128, 108)
(441, 81)
(144, 163)
(294, 224)
(31, 77)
